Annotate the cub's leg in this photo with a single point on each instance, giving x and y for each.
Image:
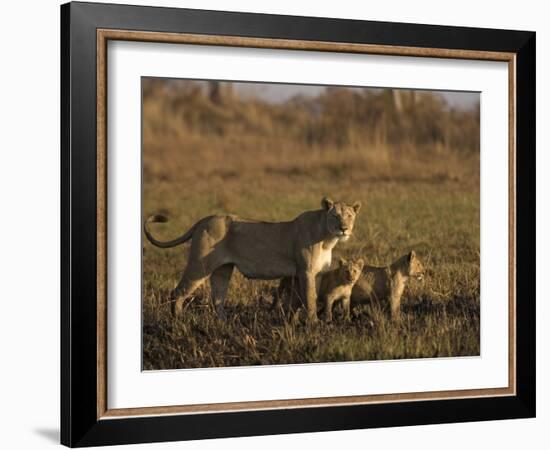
(329, 303)
(346, 303)
(219, 283)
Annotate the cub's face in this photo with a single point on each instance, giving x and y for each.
(340, 217)
(416, 269)
(350, 271)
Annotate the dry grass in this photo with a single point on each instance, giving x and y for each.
(417, 194)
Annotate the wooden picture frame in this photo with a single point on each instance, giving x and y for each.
(86, 418)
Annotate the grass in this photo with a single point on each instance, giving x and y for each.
(440, 315)
(424, 199)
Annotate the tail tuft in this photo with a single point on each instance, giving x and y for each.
(157, 218)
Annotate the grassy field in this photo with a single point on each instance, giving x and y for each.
(426, 199)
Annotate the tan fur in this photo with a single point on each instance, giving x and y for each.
(260, 250)
(335, 285)
(386, 284)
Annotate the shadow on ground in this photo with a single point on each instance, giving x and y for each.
(49, 434)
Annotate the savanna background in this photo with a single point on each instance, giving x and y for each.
(270, 152)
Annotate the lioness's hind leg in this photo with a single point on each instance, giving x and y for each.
(283, 291)
(219, 282)
(277, 294)
(182, 292)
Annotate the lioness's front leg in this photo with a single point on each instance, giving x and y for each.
(395, 306)
(309, 292)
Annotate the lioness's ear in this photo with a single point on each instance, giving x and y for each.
(341, 261)
(412, 255)
(327, 203)
(361, 262)
(356, 207)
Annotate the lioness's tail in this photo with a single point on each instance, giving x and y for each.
(162, 219)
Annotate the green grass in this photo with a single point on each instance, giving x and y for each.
(440, 314)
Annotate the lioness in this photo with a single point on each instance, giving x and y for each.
(387, 283)
(260, 250)
(336, 285)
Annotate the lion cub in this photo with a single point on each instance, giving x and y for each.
(335, 285)
(387, 283)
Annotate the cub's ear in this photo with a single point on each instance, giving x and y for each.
(361, 262)
(341, 261)
(327, 203)
(356, 207)
(412, 255)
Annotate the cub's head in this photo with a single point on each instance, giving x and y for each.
(414, 267)
(340, 217)
(350, 271)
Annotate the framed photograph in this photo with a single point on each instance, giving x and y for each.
(277, 224)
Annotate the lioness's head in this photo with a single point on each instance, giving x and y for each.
(414, 266)
(340, 217)
(350, 271)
